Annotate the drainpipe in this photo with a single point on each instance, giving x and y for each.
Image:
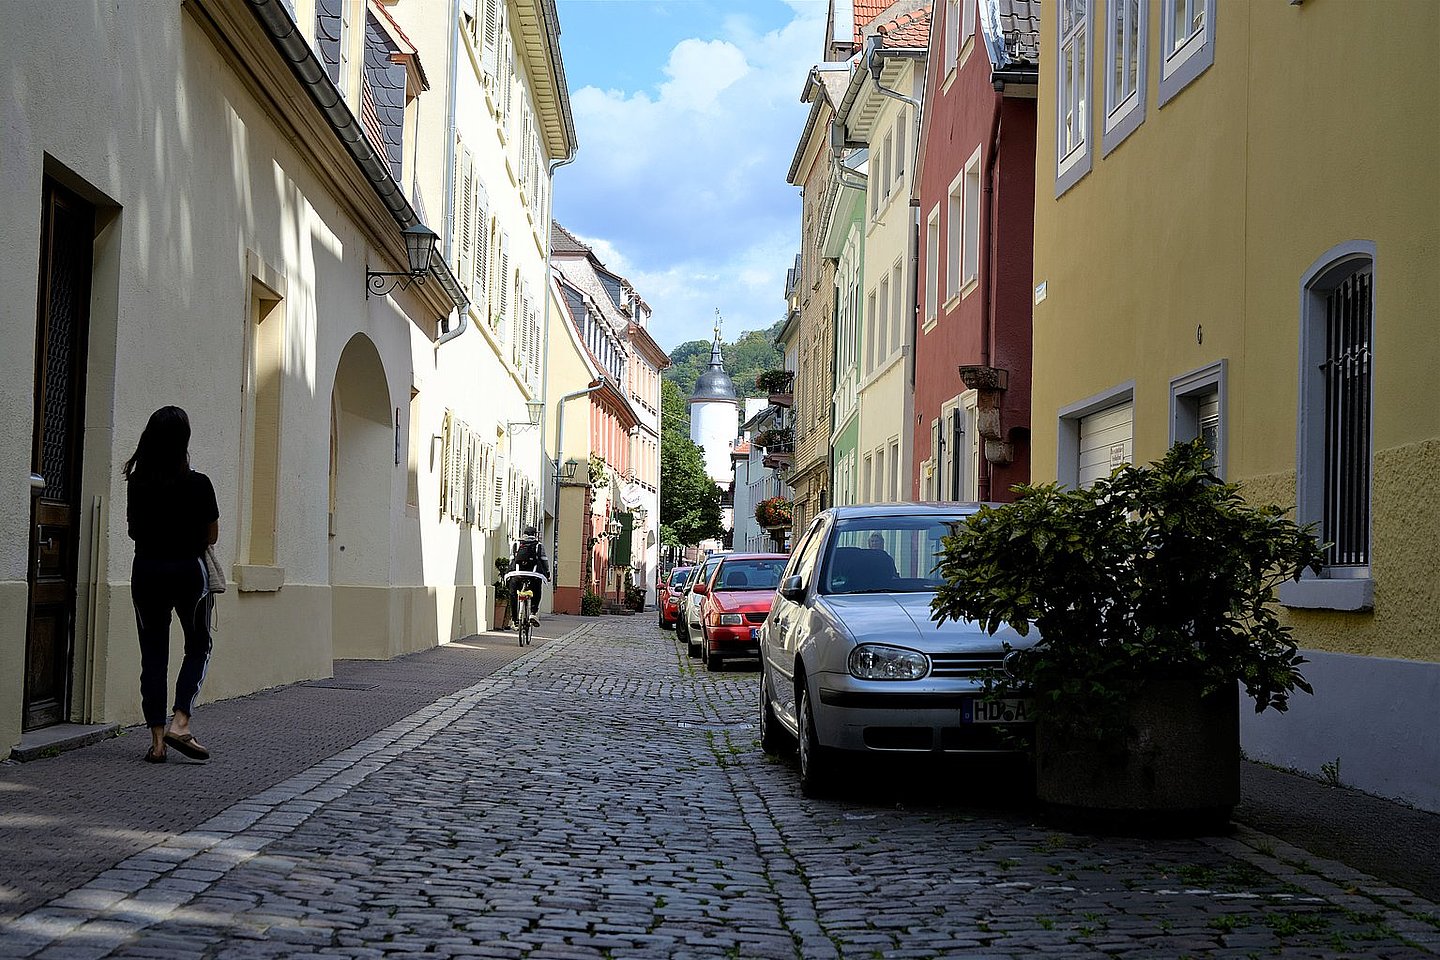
(545, 325)
(987, 306)
(463, 318)
(559, 441)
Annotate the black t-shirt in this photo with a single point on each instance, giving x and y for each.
(170, 520)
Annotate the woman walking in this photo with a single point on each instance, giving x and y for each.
(172, 517)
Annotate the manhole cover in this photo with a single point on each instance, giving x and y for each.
(333, 684)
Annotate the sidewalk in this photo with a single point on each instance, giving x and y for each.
(65, 819)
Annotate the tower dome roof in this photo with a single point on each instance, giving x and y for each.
(714, 384)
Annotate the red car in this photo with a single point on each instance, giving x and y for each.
(667, 596)
(735, 602)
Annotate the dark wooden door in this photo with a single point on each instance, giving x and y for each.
(62, 323)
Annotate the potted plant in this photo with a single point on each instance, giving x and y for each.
(775, 381)
(1152, 594)
(775, 438)
(773, 512)
(591, 603)
(502, 594)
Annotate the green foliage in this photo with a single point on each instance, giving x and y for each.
(590, 604)
(774, 512)
(753, 353)
(674, 410)
(599, 474)
(502, 567)
(775, 381)
(1159, 571)
(689, 499)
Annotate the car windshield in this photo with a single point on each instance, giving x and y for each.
(885, 554)
(750, 574)
(678, 577)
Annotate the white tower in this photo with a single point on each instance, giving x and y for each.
(715, 415)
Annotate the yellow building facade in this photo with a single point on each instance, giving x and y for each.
(1237, 236)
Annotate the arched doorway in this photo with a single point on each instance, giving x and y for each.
(361, 471)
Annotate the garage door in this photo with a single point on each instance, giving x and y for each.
(1106, 441)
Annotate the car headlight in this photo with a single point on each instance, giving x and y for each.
(731, 619)
(875, 662)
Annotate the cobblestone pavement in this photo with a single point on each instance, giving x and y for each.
(597, 797)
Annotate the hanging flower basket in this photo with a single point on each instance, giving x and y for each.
(773, 512)
(775, 381)
(775, 438)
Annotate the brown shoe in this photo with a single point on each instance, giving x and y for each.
(186, 744)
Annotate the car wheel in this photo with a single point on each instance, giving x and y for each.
(691, 647)
(816, 762)
(714, 662)
(773, 739)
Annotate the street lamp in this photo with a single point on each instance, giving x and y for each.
(419, 251)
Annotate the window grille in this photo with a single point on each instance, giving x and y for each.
(1345, 522)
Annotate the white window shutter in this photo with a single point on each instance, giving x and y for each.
(497, 503)
(466, 260)
(504, 279)
(490, 32)
(482, 246)
(445, 458)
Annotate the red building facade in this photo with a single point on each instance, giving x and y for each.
(976, 195)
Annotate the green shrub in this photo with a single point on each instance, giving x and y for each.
(590, 604)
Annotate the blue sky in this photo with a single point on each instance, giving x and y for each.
(688, 113)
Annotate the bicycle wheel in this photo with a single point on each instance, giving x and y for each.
(523, 626)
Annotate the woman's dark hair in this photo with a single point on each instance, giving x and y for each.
(163, 452)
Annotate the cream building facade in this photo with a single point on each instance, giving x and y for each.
(1275, 294)
(880, 111)
(214, 183)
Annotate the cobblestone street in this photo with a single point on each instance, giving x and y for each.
(601, 797)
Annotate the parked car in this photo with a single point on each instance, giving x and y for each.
(850, 661)
(688, 626)
(667, 596)
(734, 603)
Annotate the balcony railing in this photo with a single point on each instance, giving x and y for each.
(779, 384)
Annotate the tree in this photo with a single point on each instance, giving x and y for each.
(674, 410)
(689, 499)
(753, 352)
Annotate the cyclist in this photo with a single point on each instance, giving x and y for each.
(529, 555)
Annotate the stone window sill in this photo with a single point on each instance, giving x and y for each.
(1324, 593)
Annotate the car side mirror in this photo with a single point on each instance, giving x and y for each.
(793, 588)
(700, 589)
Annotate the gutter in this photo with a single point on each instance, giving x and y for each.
(296, 52)
(549, 296)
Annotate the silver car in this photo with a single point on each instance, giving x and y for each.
(850, 659)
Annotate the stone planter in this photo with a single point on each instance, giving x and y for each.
(1178, 770)
(502, 609)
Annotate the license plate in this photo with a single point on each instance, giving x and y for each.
(755, 634)
(1014, 710)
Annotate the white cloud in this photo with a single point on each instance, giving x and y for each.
(683, 186)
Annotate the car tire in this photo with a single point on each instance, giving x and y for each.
(691, 647)
(816, 762)
(773, 739)
(714, 663)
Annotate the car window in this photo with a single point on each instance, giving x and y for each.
(707, 569)
(885, 554)
(800, 548)
(750, 573)
(678, 577)
(805, 560)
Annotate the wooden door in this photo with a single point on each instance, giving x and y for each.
(62, 323)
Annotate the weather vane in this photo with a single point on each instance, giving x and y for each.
(718, 321)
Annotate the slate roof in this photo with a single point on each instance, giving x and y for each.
(907, 31)
(562, 241)
(1020, 26)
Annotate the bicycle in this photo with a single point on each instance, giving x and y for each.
(523, 596)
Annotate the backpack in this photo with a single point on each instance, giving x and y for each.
(527, 554)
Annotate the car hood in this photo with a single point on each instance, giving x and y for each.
(744, 601)
(904, 618)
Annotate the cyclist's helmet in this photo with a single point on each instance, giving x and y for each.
(529, 533)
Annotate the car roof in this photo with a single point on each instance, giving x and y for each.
(757, 556)
(921, 509)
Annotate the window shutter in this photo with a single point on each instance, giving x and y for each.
(445, 456)
(465, 264)
(481, 284)
(504, 279)
(497, 502)
(900, 132)
(490, 29)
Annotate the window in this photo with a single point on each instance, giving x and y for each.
(971, 263)
(1127, 27)
(967, 21)
(882, 323)
(894, 470)
(1333, 473)
(870, 337)
(1096, 435)
(264, 383)
(1197, 409)
(900, 127)
(952, 36)
(868, 479)
(1187, 43)
(332, 40)
(879, 491)
(932, 263)
(897, 306)
(954, 233)
(1072, 102)
(887, 164)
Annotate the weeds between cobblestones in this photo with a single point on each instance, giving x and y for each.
(596, 798)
